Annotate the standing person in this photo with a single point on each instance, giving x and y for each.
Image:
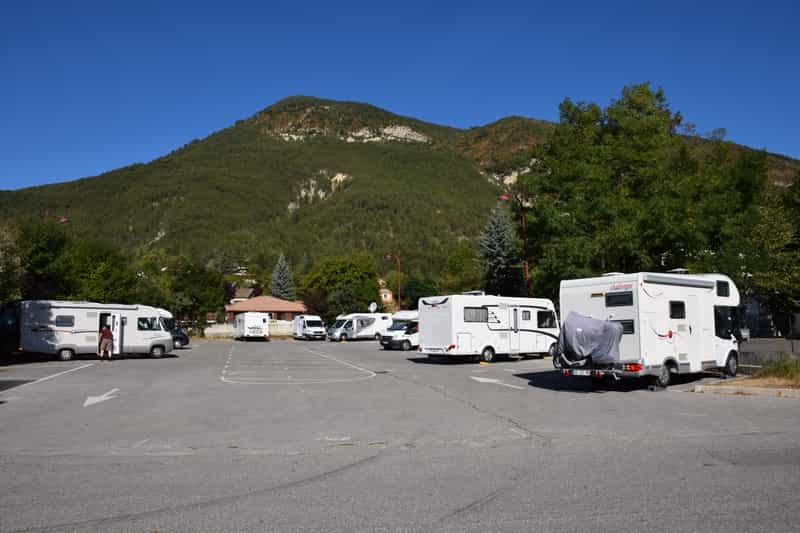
(106, 342)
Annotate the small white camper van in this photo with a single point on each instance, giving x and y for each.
(251, 325)
(403, 334)
(359, 326)
(308, 327)
(482, 326)
(671, 323)
(72, 328)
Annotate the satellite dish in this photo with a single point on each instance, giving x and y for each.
(373, 307)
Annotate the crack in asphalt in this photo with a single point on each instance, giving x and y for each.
(206, 503)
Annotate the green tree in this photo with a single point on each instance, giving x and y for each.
(499, 249)
(462, 270)
(282, 284)
(10, 264)
(42, 243)
(340, 285)
(416, 287)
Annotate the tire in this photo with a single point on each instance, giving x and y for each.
(342, 338)
(406, 346)
(557, 361)
(157, 352)
(66, 354)
(552, 350)
(178, 344)
(731, 365)
(664, 376)
(487, 354)
(377, 336)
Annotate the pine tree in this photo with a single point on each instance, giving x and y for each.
(499, 250)
(282, 285)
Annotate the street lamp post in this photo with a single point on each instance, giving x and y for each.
(396, 257)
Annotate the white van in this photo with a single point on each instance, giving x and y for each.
(403, 334)
(671, 323)
(308, 327)
(72, 328)
(251, 325)
(359, 326)
(481, 326)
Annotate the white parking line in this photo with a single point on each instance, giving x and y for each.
(48, 378)
(226, 376)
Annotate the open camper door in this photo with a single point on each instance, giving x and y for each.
(513, 333)
(115, 324)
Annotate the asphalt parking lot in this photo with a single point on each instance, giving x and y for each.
(315, 436)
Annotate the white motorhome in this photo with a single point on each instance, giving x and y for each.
(72, 328)
(359, 326)
(308, 327)
(403, 334)
(482, 326)
(672, 323)
(251, 325)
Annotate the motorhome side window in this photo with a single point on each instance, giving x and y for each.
(65, 321)
(723, 289)
(526, 315)
(677, 310)
(619, 299)
(147, 323)
(546, 319)
(476, 314)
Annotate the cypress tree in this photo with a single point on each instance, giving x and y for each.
(499, 250)
(282, 285)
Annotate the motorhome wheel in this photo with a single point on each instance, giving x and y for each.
(377, 336)
(178, 344)
(556, 361)
(156, 352)
(552, 350)
(65, 354)
(731, 365)
(664, 375)
(487, 354)
(343, 337)
(406, 346)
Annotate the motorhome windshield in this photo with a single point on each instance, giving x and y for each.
(398, 325)
(168, 324)
(338, 324)
(412, 327)
(313, 323)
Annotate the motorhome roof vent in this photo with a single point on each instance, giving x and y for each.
(678, 271)
(606, 274)
(474, 293)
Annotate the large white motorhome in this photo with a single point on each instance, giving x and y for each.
(308, 327)
(482, 326)
(359, 326)
(72, 328)
(671, 323)
(251, 325)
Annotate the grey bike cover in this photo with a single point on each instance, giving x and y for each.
(582, 337)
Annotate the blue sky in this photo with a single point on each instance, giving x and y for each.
(86, 87)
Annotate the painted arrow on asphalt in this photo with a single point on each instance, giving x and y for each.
(91, 400)
(496, 382)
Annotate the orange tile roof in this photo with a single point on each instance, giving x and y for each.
(267, 304)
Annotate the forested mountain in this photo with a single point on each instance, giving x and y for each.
(310, 178)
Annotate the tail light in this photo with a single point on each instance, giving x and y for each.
(632, 367)
(451, 347)
(567, 372)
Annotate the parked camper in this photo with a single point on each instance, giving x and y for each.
(72, 328)
(359, 326)
(403, 334)
(482, 326)
(251, 325)
(671, 323)
(308, 327)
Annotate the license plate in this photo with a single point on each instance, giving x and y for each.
(581, 372)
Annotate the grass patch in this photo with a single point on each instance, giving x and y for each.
(786, 368)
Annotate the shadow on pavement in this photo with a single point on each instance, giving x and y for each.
(439, 361)
(6, 384)
(553, 380)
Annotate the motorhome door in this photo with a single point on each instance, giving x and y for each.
(513, 335)
(115, 323)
